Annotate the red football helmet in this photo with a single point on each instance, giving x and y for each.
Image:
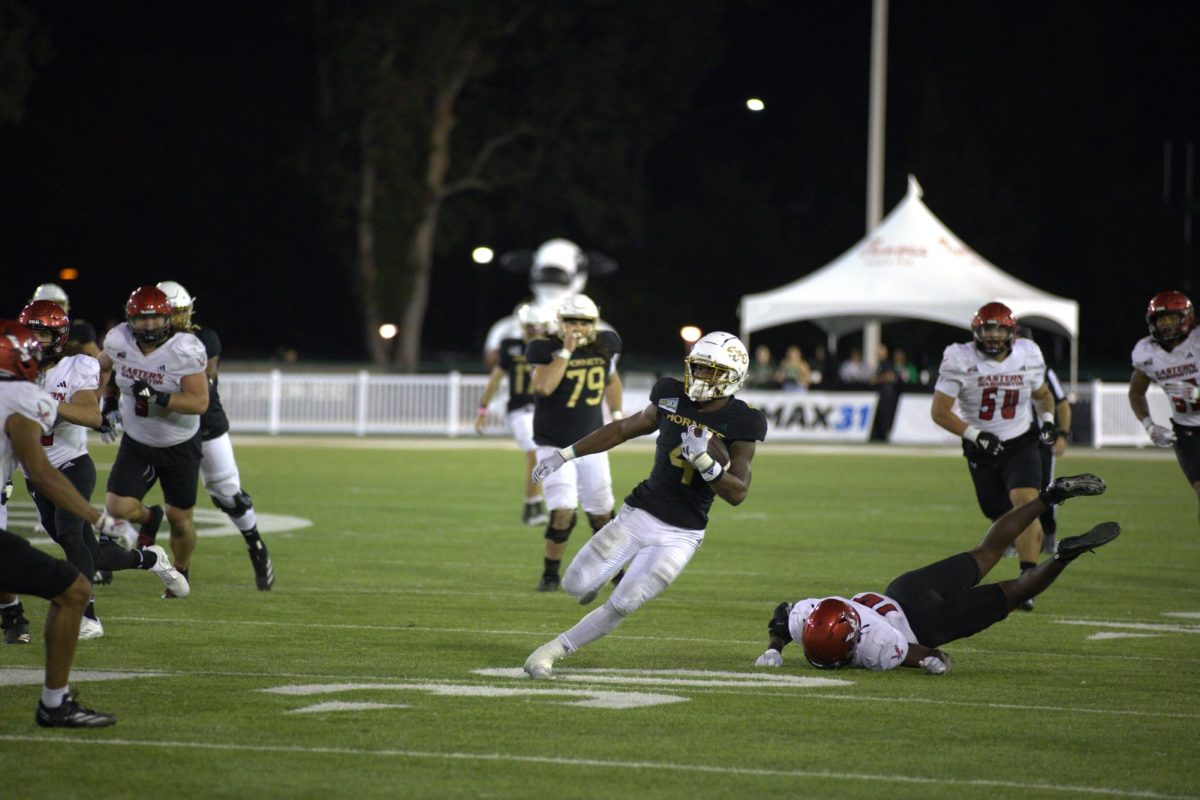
(20, 351)
(995, 327)
(147, 303)
(46, 316)
(1162, 306)
(830, 634)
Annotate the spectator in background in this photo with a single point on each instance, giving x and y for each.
(853, 371)
(885, 374)
(822, 364)
(794, 374)
(762, 370)
(906, 371)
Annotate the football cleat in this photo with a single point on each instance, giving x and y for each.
(175, 581)
(535, 514)
(72, 715)
(549, 583)
(540, 664)
(1061, 489)
(15, 625)
(1073, 547)
(102, 577)
(149, 529)
(264, 572)
(1026, 604)
(90, 628)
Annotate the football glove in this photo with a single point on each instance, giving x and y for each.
(141, 389)
(116, 529)
(987, 442)
(552, 463)
(6, 493)
(1162, 437)
(110, 423)
(771, 658)
(1048, 433)
(935, 665)
(695, 443)
(1178, 390)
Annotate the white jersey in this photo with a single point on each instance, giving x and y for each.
(164, 369)
(885, 634)
(1179, 365)
(72, 374)
(28, 400)
(993, 396)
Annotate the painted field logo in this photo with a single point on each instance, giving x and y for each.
(612, 689)
(210, 523)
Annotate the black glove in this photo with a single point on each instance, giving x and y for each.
(1048, 433)
(144, 392)
(989, 443)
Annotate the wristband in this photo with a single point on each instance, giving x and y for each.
(162, 398)
(1047, 416)
(1147, 423)
(711, 472)
(110, 404)
(616, 414)
(483, 411)
(971, 434)
(567, 453)
(563, 353)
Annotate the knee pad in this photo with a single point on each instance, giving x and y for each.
(234, 506)
(597, 527)
(557, 536)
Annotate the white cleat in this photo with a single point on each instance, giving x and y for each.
(540, 664)
(173, 579)
(90, 628)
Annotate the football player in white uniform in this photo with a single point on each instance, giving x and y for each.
(163, 389)
(662, 523)
(993, 379)
(928, 607)
(83, 333)
(1170, 357)
(73, 379)
(27, 413)
(516, 368)
(218, 468)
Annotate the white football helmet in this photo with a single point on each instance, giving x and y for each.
(532, 316)
(182, 302)
(580, 308)
(559, 270)
(54, 293)
(716, 367)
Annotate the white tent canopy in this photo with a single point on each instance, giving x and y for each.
(910, 267)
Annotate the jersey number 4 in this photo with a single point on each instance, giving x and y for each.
(1008, 406)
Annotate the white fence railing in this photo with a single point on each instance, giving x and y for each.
(363, 404)
(1113, 422)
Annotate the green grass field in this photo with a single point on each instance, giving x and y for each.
(402, 615)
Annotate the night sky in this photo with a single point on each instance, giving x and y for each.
(162, 141)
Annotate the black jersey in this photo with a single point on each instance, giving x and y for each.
(213, 422)
(520, 385)
(573, 410)
(675, 493)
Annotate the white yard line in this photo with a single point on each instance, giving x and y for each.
(662, 766)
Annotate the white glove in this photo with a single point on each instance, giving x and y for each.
(1162, 437)
(695, 442)
(936, 666)
(771, 658)
(118, 530)
(552, 463)
(111, 427)
(1187, 392)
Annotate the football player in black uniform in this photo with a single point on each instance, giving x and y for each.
(218, 469)
(572, 374)
(516, 369)
(662, 523)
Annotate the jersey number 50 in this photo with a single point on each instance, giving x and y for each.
(1008, 408)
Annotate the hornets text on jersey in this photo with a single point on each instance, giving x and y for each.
(573, 410)
(675, 493)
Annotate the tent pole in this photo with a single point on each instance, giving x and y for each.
(1072, 396)
(875, 138)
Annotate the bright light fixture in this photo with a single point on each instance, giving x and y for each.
(483, 255)
(755, 104)
(388, 331)
(690, 333)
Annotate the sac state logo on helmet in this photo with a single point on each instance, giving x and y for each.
(716, 367)
(830, 634)
(995, 327)
(580, 308)
(20, 351)
(147, 302)
(1164, 304)
(48, 317)
(182, 302)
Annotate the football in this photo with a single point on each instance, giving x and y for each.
(718, 451)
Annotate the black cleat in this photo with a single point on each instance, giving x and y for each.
(15, 625)
(1073, 547)
(1061, 489)
(102, 577)
(149, 529)
(264, 573)
(72, 715)
(1026, 604)
(549, 583)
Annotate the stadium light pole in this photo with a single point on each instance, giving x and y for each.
(875, 139)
